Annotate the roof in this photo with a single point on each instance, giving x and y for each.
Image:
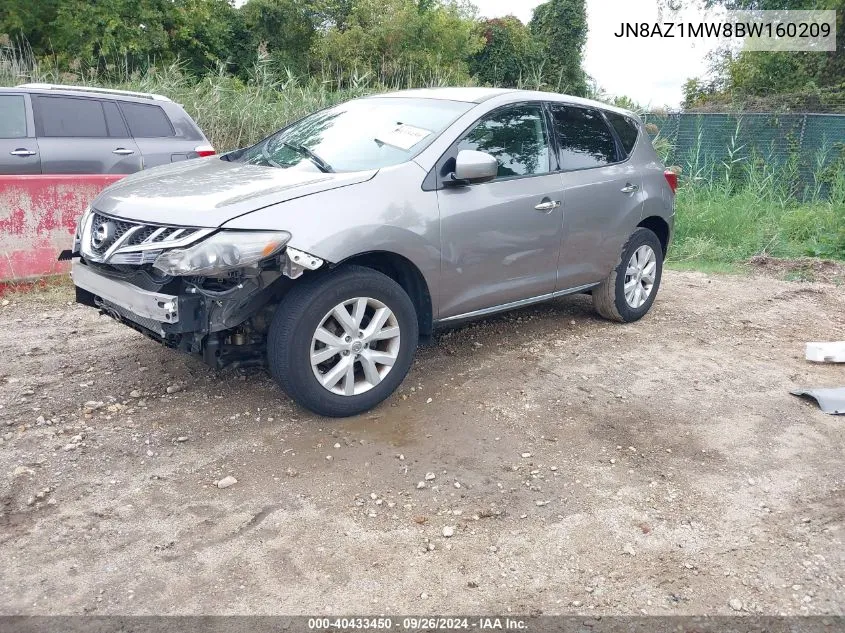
(480, 95)
(469, 95)
(87, 91)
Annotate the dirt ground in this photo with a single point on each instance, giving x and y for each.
(581, 467)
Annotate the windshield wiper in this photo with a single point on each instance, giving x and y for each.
(322, 165)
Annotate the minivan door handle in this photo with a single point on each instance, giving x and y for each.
(547, 205)
(22, 151)
(122, 151)
(629, 188)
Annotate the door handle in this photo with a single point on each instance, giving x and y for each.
(22, 151)
(629, 188)
(122, 151)
(548, 205)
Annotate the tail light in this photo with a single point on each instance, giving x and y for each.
(204, 150)
(672, 179)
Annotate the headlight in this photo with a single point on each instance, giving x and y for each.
(223, 251)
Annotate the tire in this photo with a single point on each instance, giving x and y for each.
(311, 304)
(609, 298)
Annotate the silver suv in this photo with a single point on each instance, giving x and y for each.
(51, 129)
(329, 248)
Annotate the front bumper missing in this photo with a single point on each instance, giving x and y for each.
(221, 327)
(158, 312)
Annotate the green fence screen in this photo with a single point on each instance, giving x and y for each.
(808, 150)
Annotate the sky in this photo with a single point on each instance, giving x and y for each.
(650, 71)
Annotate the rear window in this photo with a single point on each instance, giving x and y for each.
(12, 116)
(146, 121)
(626, 128)
(584, 138)
(69, 116)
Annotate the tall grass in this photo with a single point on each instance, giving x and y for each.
(749, 203)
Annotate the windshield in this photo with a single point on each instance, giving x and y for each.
(357, 135)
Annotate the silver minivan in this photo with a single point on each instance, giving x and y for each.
(55, 129)
(327, 250)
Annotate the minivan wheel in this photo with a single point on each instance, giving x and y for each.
(631, 288)
(341, 343)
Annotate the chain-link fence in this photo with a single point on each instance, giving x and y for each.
(802, 153)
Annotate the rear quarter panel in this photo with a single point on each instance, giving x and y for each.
(659, 200)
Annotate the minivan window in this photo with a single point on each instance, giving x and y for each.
(583, 136)
(626, 129)
(516, 137)
(12, 116)
(146, 121)
(114, 122)
(69, 116)
(357, 135)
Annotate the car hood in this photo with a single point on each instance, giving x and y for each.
(208, 192)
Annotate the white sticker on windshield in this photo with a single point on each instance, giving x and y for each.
(403, 136)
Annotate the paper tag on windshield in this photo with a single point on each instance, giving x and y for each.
(403, 136)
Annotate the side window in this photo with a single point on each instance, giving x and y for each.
(516, 137)
(626, 129)
(114, 122)
(69, 116)
(12, 116)
(584, 138)
(146, 121)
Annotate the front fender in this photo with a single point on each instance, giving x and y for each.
(389, 213)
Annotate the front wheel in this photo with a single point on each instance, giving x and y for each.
(631, 288)
(343, 342)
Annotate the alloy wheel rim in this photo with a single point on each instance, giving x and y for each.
(355, 346)
(640, 276)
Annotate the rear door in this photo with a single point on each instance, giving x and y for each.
(19, 152)
(154, 133)
(602, 197)
(81, 135)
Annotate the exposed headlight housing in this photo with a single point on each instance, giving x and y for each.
(222, 252)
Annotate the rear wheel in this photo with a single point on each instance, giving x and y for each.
(631, 288)
(343, 342)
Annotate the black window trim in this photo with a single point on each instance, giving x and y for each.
(122, 118)
(39, 124)
(616, 140)
(434, 180)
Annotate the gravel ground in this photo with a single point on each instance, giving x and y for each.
(541, 462)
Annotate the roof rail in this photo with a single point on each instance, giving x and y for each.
(127, 93)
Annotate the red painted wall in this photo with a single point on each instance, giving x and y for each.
(38, 216)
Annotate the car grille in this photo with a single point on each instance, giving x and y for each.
(123, 242)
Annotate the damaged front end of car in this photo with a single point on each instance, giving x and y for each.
(208, 292)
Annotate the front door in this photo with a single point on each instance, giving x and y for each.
(501, 239)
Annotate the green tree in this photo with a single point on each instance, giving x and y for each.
(743, 74)
(29, 20)
(561, 28)
(402, 42)
(285, 28)
(129, 33)
(509, 55)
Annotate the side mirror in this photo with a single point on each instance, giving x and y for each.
(472, 167)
